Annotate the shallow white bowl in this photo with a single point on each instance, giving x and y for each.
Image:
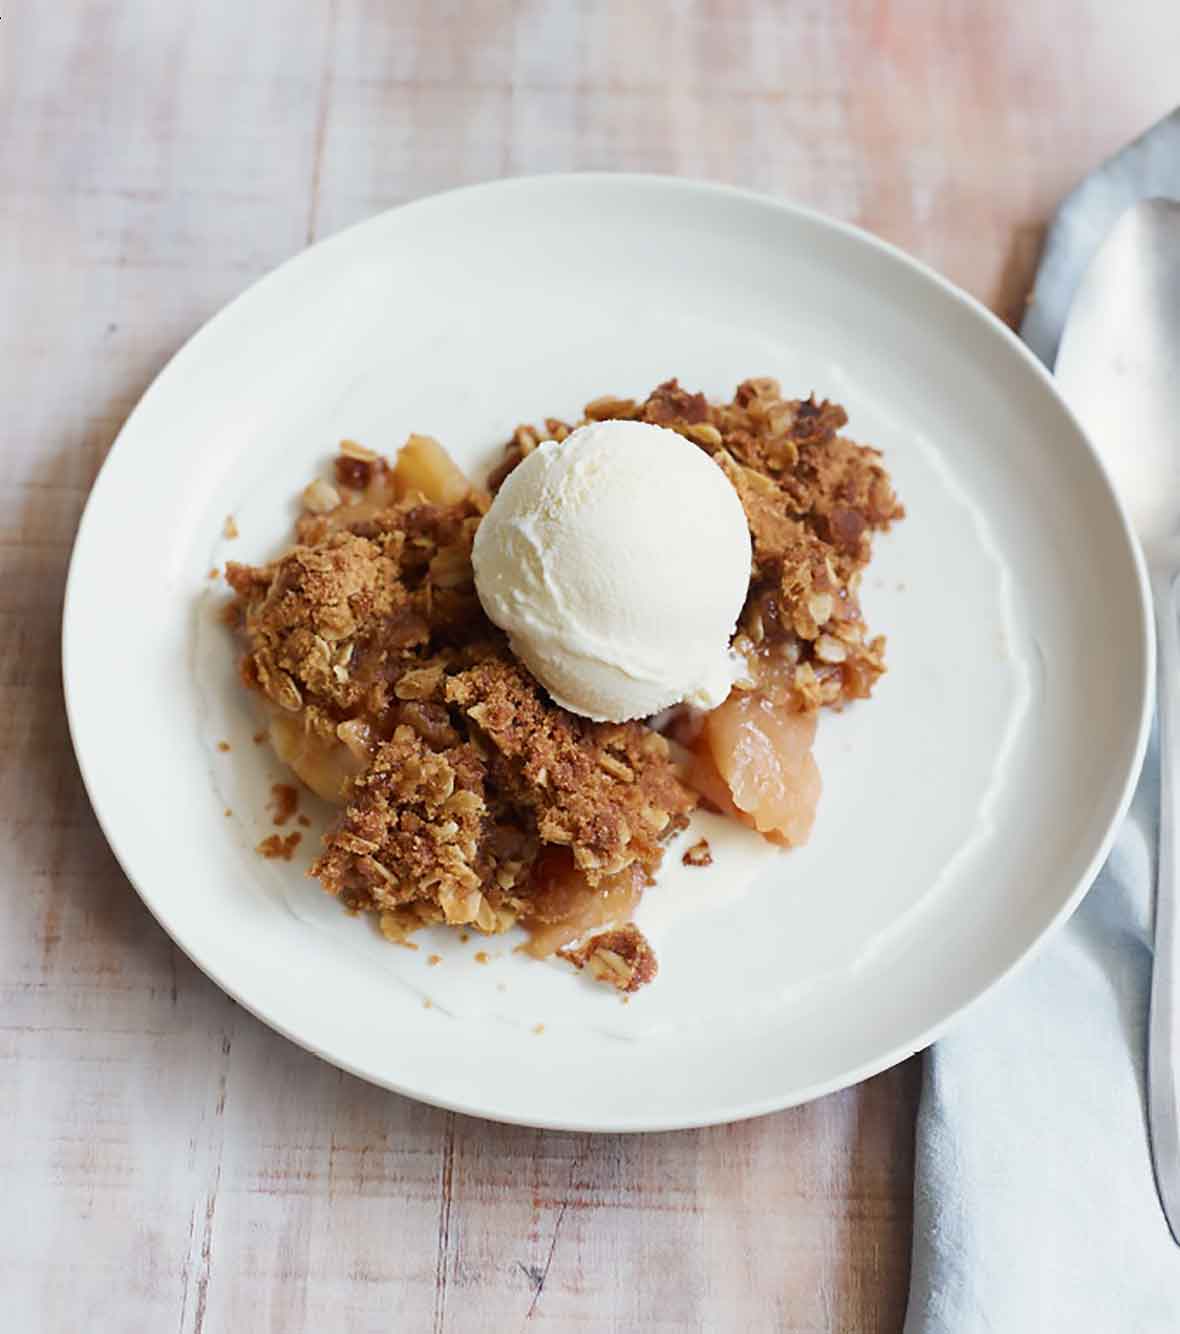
(966, 807)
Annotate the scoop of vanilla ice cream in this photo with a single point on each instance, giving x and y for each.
(617, 561)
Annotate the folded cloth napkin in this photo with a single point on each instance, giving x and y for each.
(1034, 1203)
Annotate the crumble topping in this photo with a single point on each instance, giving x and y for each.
(468, 796)
(372, 639)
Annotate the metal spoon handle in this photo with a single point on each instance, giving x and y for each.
(1162, 1063)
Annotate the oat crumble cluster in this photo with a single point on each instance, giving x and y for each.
(468, 797)
(623, 958)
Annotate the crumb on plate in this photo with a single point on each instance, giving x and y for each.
(622, 958)
(700, 854)
(277, 848)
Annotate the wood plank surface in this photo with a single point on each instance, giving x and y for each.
(168, 1163)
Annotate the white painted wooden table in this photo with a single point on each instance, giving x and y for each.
(166, 1162)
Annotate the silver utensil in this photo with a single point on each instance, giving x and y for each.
(1119, 369)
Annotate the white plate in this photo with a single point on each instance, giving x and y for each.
(966, 807)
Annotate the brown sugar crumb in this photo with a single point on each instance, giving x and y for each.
(433, 960)
(277, 847)
(303, 820)
(700, 854)
(228, 811)
(482, 956)
(214, 573)
(464, 937)
(622, 958)
(538, 1028)
(223, 746)
(259, 737)
(284, 800)
(230, 527)
(427, 1003)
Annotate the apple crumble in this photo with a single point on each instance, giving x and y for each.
(468, 797)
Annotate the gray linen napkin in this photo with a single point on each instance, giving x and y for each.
(1034, 1204)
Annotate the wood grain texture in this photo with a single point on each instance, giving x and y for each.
(168, 1163)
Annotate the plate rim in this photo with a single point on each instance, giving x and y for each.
(687, 186)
